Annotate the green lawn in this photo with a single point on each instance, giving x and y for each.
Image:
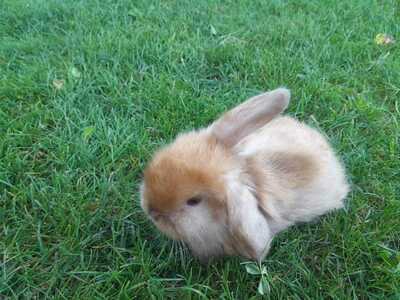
(89, 89)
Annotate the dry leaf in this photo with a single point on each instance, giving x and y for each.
(58, 84)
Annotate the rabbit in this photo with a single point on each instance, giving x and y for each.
(229, 188)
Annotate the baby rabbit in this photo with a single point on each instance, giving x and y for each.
(229, 188)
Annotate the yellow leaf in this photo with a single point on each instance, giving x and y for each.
(383, 39)
(88, 132)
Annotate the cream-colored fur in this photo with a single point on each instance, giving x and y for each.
(285, 204)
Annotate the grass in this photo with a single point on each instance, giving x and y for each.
(89, 89)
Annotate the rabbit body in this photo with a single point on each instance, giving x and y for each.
(229, 188)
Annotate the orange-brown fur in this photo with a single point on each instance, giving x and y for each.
(197, 162)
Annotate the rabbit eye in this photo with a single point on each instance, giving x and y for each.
(193, 201)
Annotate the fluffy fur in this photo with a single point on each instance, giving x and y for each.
(252, 173)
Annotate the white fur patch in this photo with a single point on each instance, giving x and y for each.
(201, 231)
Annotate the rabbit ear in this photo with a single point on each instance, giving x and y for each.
(242, 120)
(248, 227)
